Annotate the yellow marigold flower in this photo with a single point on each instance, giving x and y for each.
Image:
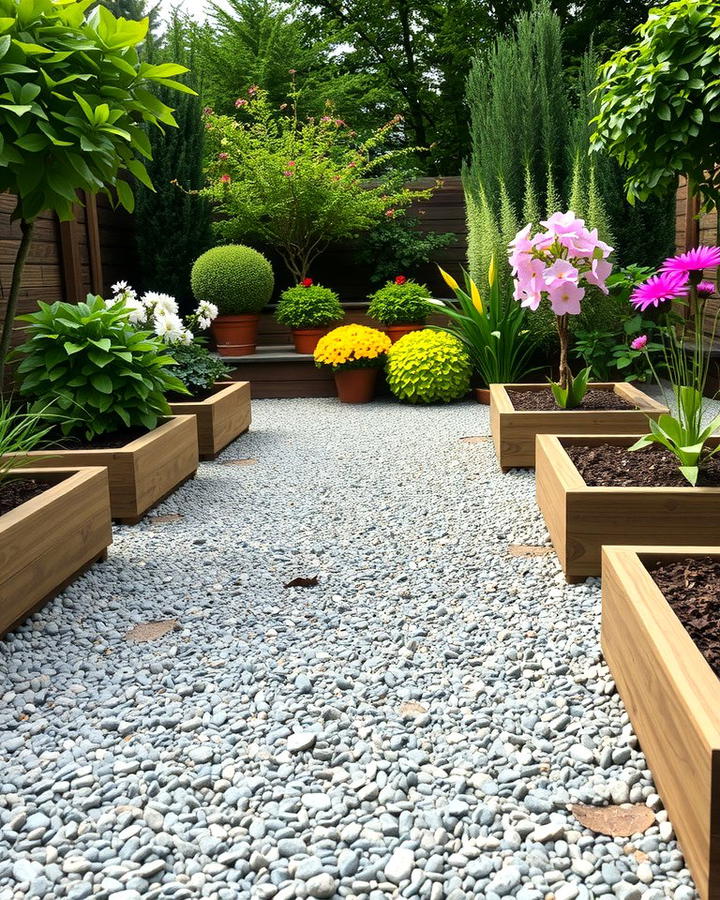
(351, 343)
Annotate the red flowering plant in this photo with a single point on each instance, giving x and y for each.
(299, 185)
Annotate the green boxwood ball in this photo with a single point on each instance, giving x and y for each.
(237, 279)
(428, 367)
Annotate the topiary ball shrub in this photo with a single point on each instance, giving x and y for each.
(237, 279)
(428, 367)
(400, 302)
(308, 306)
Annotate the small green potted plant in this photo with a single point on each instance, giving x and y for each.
(308, 309)
(239, 281)
(355, 353)
(401, 306)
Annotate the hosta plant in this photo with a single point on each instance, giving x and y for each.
(308, 305)
(352, 347)
(557, 263)
(687, 358)
(93, 372)
(428, 367)
(400, 302)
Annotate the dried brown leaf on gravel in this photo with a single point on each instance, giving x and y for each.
(163, 520)
(151, 631)
(239, 462)
(303, 582)
(411, 709)
(529, 550)
(479, 439)
(615, 821)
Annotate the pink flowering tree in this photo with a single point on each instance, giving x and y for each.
(687, 360)
(298, 185)
(558, 263)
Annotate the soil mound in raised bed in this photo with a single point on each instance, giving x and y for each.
(15, 492)
(608, 465)
(543, 401)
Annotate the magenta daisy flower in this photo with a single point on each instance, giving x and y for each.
(705, 289)
(693, 261)
(639, 343)
(659, 289)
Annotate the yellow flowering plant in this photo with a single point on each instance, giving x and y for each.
(352, 347)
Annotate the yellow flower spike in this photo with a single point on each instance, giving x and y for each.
(448, 279)
(492, 271)
(475, 297)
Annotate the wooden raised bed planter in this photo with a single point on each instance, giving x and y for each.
(141, 473)
(220, 418)
(46, 542)
(672, 697)
(582, 519)
(513, 430)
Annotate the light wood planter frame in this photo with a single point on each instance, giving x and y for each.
(46, 542)
(220, 418)
(582, 519)
(143, 472)
(514, 430)
(672, 697)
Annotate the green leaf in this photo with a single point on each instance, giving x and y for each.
(125, 195)
(71, 348)
(102, 383)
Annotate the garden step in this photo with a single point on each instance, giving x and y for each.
(277, 371)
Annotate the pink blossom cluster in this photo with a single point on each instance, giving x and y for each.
(555, 261)
(675, 277)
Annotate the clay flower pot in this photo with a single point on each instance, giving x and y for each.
(236, 335)
(395, 332)
(306, 339)
(355, 385)
(482, 395)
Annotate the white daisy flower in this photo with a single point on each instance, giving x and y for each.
(206, 311)
(169, 327)
(138, 313)
(165, 305)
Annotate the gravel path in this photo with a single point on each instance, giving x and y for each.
(414, 725)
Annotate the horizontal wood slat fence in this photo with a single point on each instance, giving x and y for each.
(690, 231)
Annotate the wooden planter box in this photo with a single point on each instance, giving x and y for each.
(582, 519)
(220, 418)
(672, 697)
(514, 430)
(48, 541)
(142, 472)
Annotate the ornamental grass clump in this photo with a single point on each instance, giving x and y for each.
(686, 356)
(428, 367)
(400, 302)
(553, 264)
(308, 305)
(352, 347)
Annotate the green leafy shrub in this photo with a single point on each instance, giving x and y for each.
(90, 370)
(237, 279)
(400, 303)
(427, 367)
(308, 306)
(398, 245)
(196, 367)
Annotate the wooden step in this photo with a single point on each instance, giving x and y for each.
(275, 371)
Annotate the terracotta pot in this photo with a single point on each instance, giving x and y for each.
(236, 335)
(306, 339)
(395, 332)
(482, 395)
(355, 385)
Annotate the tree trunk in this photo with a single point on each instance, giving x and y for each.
(563, 334)
(12, 302)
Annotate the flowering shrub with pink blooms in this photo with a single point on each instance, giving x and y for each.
(680, 282)
(558, 263)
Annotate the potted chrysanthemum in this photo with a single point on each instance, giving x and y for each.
(355, 353)
(401, 306)
(308, 309)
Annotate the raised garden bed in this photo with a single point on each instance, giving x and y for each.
(141, 472)
(514, 430)
(48, 540)
(581, 519)
(220, 418)
(672, 697)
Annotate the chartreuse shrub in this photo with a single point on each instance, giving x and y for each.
(428, 367)
(92, 371)
(237, 279)
(308, 305)
(400, 302)
(352, 347)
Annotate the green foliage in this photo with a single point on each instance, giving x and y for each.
(660, 102)
(196, 367)
(176, 170)
(398, 245)
(428, 367)
(572, 396)
(494, 331)
(88, 368)
(20, 434)
(400, 304)
(237, 279)
(313, 306)
(298, 185)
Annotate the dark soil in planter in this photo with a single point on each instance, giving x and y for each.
(608, 465)
(543, 401)
(110, 441)
(692, 588)
(14, 493)
(194, 397)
